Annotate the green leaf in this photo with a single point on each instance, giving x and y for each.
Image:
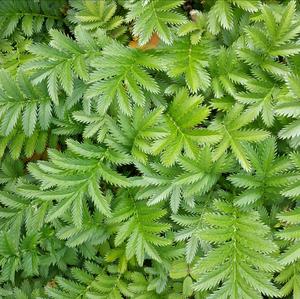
(99, 199)
(29, 118)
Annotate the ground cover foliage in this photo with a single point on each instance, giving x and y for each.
(149, 149)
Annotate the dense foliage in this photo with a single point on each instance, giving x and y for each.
(149, 149)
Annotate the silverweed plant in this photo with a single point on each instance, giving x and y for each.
(149, 149)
